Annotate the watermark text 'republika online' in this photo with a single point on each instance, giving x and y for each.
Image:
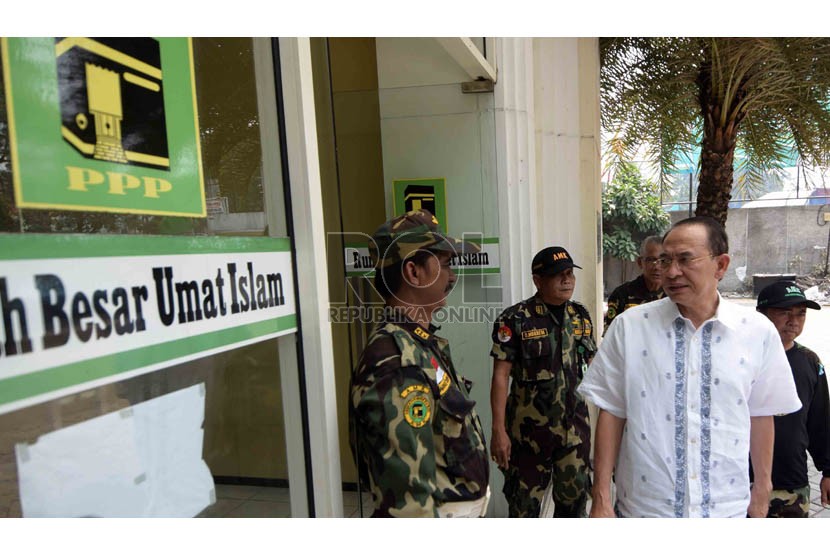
(372, 313)
(474, 278)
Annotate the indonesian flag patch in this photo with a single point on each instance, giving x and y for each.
(505, 334)
(442, 378)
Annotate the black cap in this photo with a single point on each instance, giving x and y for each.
(552, 260)
(783, 294)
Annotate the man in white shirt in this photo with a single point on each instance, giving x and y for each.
(687, 387)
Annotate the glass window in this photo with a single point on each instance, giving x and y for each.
(243, 442)
(231, 158)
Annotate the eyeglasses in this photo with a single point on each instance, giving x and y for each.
(651, 261)
(683, 261)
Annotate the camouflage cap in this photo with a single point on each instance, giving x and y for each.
(404, 235)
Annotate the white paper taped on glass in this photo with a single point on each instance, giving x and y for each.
(144, 461)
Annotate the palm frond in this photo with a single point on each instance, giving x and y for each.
(770, 93)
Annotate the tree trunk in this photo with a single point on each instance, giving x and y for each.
(717, 151)
(715, 189)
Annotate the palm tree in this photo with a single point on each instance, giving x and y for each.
(766, 96)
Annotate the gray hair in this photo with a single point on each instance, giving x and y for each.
(648, 241)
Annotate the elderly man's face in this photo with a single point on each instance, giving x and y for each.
(650, 267)
(691, 279)
(789, 321)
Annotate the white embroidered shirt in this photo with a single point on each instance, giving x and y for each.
(687, 396)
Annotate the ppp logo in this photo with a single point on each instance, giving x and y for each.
(112, 99)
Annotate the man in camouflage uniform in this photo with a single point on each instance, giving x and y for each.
(541, 431)
(808, 429)
(414, 431)
(642, 289)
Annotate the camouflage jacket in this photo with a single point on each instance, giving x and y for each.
(540, 348)
(628, 295)
(414, 431)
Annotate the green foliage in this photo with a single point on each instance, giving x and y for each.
(620, 244)
(630, 211)
(766, 96)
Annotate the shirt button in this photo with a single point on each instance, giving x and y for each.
(693, 477)
(694, 440)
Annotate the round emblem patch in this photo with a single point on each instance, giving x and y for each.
(505, 334)
(417, 411)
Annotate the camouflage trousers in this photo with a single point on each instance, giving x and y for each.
(790, 503)
(547, 444)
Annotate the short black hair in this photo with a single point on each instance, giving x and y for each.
(716, 233)
(388, 280)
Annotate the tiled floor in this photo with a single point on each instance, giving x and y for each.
(261, 501)
(249, 501)
(816, 510)
(350, 504)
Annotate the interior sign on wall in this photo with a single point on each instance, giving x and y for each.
(107, 125)
(359, 263)
(88, 310)
(419, 193)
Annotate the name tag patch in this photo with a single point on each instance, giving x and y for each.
(535, 333)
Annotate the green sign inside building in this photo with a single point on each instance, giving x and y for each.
(421, 193)
(106, 125)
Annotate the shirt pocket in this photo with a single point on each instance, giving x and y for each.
(536, 362)
(456, 413)
(586, 346)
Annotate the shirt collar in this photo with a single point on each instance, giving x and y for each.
(425, 336)
(725, 314)
(538, 306)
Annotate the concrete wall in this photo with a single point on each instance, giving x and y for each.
(771, 240)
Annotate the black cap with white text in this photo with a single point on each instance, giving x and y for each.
(783, 294)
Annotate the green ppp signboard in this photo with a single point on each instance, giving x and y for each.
(106, 125)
